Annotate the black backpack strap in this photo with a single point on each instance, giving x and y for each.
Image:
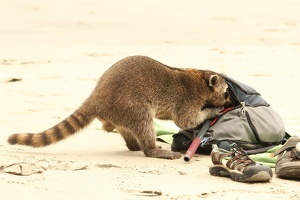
(244, 93)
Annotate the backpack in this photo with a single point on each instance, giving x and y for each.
(251, 123)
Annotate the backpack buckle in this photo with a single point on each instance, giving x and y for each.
(205, 140)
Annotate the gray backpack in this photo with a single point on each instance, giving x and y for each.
(251, 123)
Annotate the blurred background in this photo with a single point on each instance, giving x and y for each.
(58, 49)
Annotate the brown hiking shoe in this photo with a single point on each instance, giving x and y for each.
(288, 162)
(237, 165)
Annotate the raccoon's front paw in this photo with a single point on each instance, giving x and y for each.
(220, 109)
(161, 153)
(213, 112)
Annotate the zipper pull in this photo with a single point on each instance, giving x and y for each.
(242, 111)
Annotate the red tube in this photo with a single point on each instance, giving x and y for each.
(192, 149)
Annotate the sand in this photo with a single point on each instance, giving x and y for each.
(56, 50)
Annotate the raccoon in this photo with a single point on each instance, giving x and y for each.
(131, 93)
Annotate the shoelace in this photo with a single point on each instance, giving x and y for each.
(295, 155)
(239, 159)
(297, 150)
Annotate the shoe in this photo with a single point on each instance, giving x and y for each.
(237, 165)
(288, 161)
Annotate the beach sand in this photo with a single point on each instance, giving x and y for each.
(53, 52)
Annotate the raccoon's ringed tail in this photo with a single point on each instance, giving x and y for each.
(64, 129)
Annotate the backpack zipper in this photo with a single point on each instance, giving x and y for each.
(253, 128)
(244, 114)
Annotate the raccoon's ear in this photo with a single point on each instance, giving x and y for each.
(213, 79)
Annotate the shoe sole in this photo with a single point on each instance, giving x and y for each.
(289, 170)
(249, 176)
